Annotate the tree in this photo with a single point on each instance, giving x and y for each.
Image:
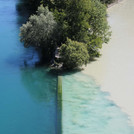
(76, 18)
(73, 16)
(73, 54)
(99, 32)
(84, 21)
(39, 31)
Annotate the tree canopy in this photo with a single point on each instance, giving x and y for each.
(82, 21)
(39, 31)
(73, 54)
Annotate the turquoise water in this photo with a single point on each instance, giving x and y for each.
(27, 93)
(87, 110)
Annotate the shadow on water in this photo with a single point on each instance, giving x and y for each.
(35, 76)
(37, 79)
(42, 87)
(40, 84)
(25, 8)
(64, 72)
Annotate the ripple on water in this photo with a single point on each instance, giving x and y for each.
(86, 109)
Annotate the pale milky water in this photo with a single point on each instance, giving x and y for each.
(86, 109)
(114, 70)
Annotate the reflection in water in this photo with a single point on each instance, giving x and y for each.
(39, 83)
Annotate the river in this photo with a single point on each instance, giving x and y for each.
(99, 100)
(27, 93)
(87, 109)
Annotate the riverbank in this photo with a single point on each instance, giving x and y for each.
(113, 71)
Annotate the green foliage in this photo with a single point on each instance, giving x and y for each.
(73, 54)
(84, 22)
(76, 19)
(39, 31)
(98, 21)
(99, 29)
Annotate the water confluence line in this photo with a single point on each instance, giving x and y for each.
(59, 105)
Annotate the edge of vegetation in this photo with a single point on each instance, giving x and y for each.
(67, 34)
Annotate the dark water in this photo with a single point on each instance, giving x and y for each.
(27, 94)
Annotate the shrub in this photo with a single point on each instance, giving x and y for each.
(73, 54)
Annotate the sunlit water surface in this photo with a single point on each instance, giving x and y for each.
(27, 94)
